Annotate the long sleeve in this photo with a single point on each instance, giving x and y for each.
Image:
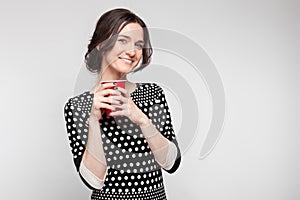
(160, 117)
(77, 117)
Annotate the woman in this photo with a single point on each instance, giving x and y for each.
(120, 155)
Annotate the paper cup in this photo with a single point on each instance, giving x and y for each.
(119, 83)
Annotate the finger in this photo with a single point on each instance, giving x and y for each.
(119, 107)
(117, 99)
(124, 108)
(107, 85)
(99, 105)
(117, 113)
(108, 92)
(124, 91)
(123, 100)
(103, 86)
(113, 100)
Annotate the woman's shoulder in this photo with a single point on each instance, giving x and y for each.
(81, 100)
(150, 88)
(149, 85)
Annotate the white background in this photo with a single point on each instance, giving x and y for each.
(254, 45)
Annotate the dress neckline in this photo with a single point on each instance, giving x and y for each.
(136, 88)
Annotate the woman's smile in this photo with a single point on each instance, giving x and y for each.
(127, 60)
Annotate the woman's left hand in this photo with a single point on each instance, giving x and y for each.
(128, 108)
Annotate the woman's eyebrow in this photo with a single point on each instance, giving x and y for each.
(128, 37)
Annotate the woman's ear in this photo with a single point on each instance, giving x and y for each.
(98, 47)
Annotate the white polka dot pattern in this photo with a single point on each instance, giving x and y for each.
(132, 171)
(77, 111)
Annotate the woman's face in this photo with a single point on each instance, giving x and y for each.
(127, 51)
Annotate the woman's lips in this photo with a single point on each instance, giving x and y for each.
(127, 61)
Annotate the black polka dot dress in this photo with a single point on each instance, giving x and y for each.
(132, 172)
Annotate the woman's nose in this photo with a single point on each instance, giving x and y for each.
(131, 51)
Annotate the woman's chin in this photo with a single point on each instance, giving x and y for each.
(125, 70)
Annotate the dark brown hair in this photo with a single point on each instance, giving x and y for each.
(106, 29)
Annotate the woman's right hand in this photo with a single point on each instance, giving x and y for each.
(104, 98)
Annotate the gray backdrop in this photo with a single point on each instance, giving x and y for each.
(254, 46)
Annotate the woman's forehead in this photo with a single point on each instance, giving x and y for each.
(132, 30)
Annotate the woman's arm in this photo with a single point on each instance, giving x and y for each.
(85, 140)
(159, 133)
(164, 151)
(93, 166)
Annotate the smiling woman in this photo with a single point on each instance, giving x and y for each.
(108, 31)
(126, 52)
(121, 155)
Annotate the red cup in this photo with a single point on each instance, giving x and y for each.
(118, 83)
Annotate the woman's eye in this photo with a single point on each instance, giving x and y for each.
(139, 46)
(122, 41)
